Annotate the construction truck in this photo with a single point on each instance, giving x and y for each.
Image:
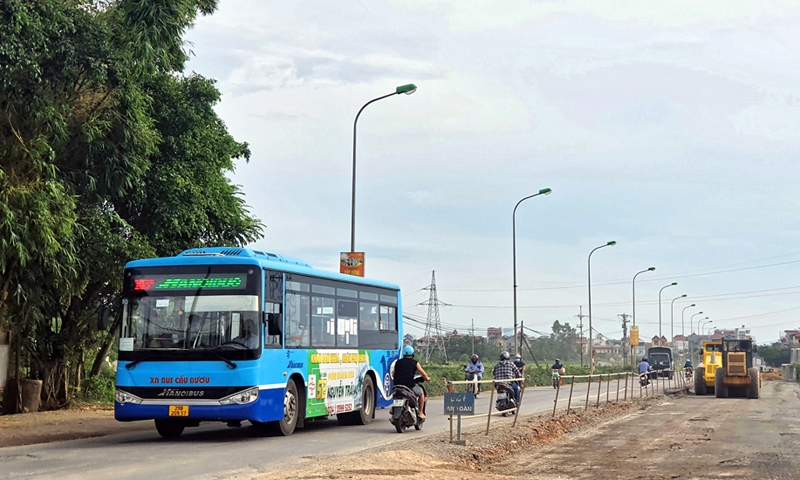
(710, 361)
(737, 376)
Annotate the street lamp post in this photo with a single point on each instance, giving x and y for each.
(408, 90)
(659, 305)
(544, 191)
(710, 328)
(683, 332)
(702, 326)
(589, 262)
(698, 322)
(672, 317)
(633, 294)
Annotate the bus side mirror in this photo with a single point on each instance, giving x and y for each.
(102, 320)
(273, 323)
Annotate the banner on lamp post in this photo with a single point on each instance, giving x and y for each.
(352, 263)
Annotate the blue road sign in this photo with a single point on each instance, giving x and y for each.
(459, 404)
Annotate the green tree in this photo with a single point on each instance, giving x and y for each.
(774, 355)
(88, 98)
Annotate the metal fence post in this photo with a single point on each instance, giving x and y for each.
(555, 403)
(571, 386)
(626, 387)
(618, 382)
(599, 389)
(608, 387)
(491, 401)
(588, 389)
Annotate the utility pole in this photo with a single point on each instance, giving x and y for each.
(624, 337)
(580, 327)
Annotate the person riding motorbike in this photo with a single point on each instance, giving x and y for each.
(644, 369)
(688, 365)
(506, 370)
(403, 372)
(558, 366)
(476, 367)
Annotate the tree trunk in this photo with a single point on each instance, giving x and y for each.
(97, 366)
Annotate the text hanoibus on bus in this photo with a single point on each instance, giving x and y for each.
(233, 334)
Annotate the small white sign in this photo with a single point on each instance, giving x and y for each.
(162, 302)
(126, 344)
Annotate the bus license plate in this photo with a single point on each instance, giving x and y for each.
(399, 403)
(178, 411)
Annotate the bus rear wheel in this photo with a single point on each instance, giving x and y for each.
(291, 410)
(169, 429)
(364, 415)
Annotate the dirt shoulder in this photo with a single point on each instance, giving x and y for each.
(435, 457)
(674, 437)
(60, 425)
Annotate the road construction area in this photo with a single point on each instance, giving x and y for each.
(671, 437)
(677, 435)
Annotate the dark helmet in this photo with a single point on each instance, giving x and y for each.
(504, 356)
(475, 358)
(644, 359)
(558, 360)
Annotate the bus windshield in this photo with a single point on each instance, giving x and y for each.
(193, 322)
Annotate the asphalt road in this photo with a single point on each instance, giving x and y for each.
(215, 451)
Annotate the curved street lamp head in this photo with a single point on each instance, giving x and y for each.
(612, 243)
(693, 305)
(407, 89)
(545, 191)
(651, 269)
(673, 283)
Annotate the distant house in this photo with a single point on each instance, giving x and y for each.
(680, 342)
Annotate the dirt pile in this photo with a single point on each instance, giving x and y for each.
(435, 457)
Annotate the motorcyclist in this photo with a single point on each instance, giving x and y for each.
(476, 367)
(506, 370)
(403, 372)
(644, 367)
(519, 363)
(558, 366)
(688, 365)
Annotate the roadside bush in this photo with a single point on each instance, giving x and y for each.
(97, 390)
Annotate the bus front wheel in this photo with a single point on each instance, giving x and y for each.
(291, 410)
(169, 429)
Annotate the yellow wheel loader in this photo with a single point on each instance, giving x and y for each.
(711, 361)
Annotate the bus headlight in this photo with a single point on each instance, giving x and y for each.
(241, 398)
(124, 397)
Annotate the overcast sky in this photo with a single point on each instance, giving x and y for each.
(670, 127)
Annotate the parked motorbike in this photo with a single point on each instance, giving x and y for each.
(470, 376)
(556, 378)
(506, 399)
(405, 407)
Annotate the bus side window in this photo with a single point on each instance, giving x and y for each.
(297, 320)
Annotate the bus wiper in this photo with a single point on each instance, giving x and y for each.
(133, 364)
(231, 365)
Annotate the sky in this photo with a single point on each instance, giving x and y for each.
(671, 128)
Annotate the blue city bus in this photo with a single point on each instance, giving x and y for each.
(232, 334)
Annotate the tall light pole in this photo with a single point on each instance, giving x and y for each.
(408, 90)
(659, 305)
(698, 322)
(710, 328)
(633, 294)
(702, 326)
(683, 332)
(544, 191)
(589, 262)
(672, 317)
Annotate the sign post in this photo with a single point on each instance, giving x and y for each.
(458, 404)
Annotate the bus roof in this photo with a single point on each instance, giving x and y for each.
(246, 256)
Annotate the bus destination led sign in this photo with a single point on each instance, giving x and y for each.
(172, 282)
